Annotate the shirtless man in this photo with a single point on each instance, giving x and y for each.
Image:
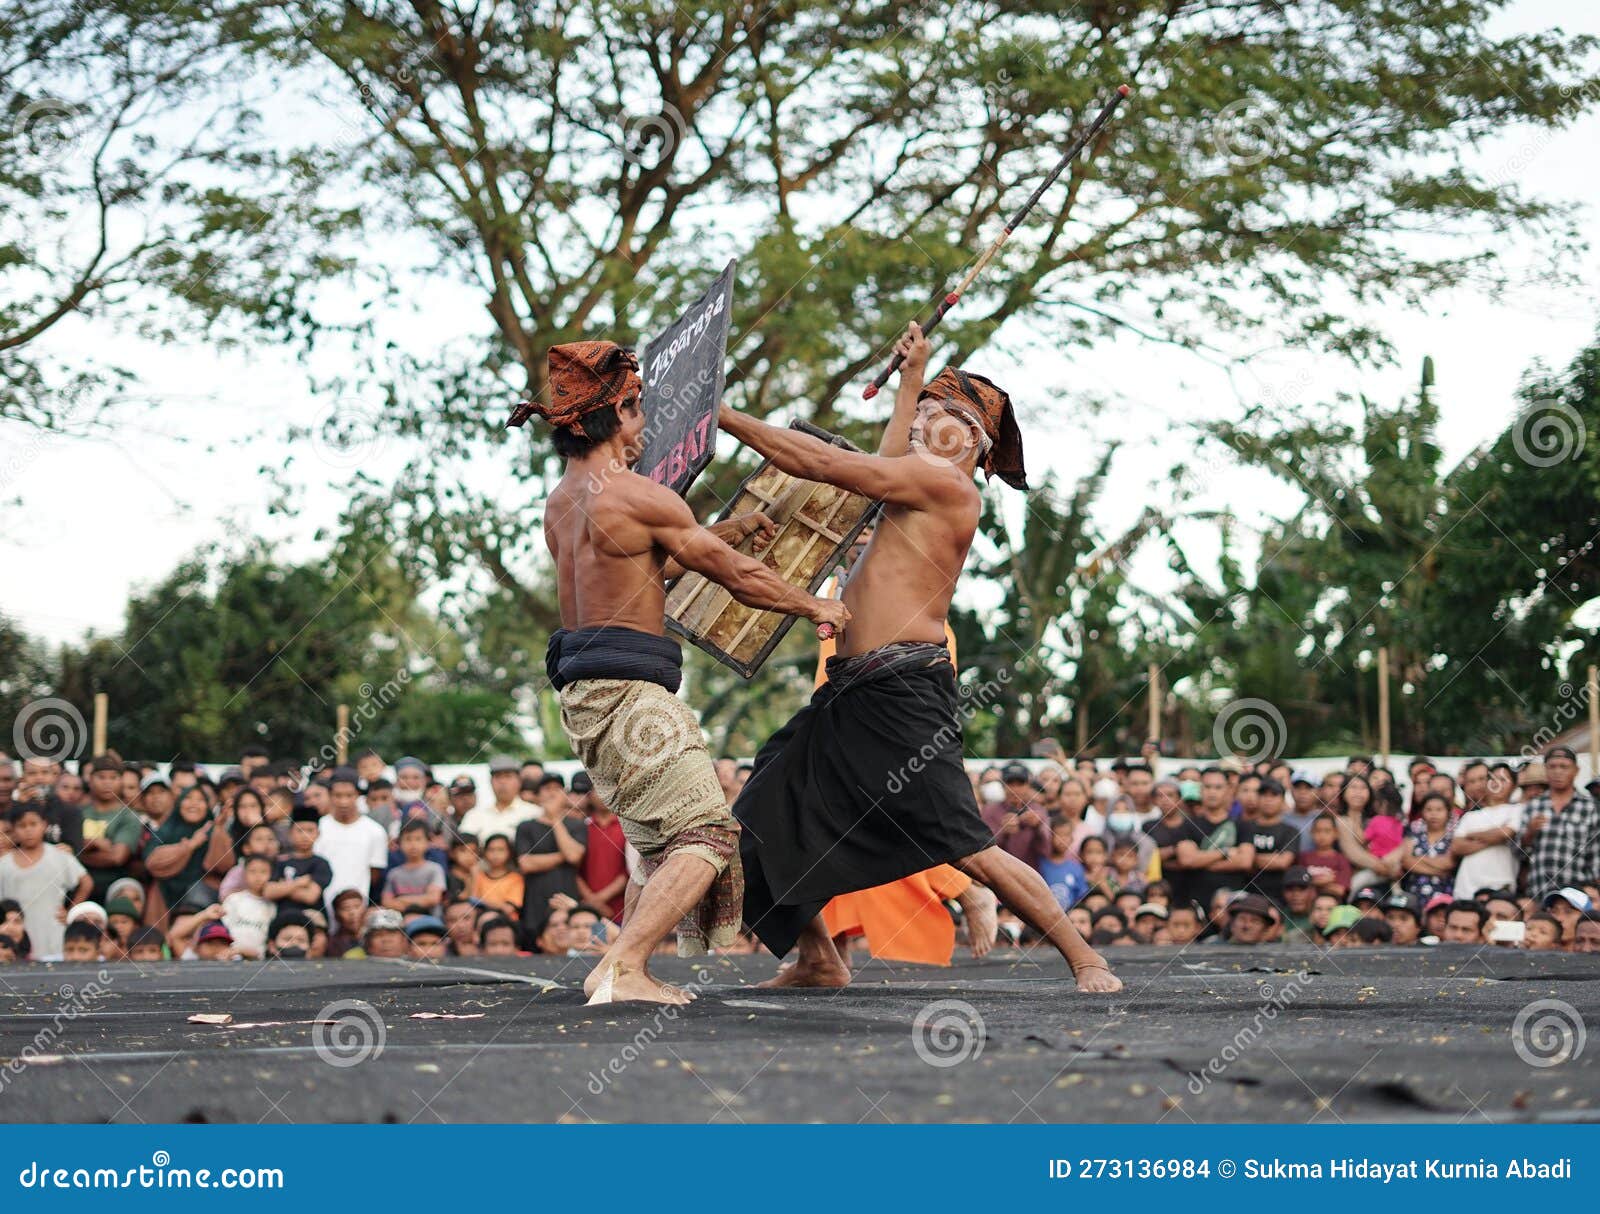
(616, 537)
(866, 783)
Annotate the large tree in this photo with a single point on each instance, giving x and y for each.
(581, 168)
(138, 191)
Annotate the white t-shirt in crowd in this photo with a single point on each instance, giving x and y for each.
(247, 919)
(352, 850)
(482, 821)
(42, 889)
(1493, 867)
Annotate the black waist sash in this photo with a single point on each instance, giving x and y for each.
(612, 652)
(844, 672)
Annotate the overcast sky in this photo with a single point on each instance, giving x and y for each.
(101, 519)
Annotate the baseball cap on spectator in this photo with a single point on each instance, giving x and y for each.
(1398, 899)
(1532, 773)
(1575, 897)
(1106, 789)
(1564, 752)
(502, 763)
(1189, 790)
(214, 931)
(1297, 877)
(151, 780)
(1341, 918)
(230, 775)
(1015, 773)
(122, 906)
(581, 783)
(1150, 908)
(1435, 902)
(87, 910)
(1303, 777)
(1367, 893)
(463, 784)
(1252, 904)
(425, 925)
(382, 919)
(406, 761)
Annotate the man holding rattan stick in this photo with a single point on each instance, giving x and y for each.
(866, 783)
(616, 537)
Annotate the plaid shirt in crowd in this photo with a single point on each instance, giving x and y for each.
(1567, 850)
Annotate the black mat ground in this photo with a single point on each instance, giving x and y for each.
(1213, 1035)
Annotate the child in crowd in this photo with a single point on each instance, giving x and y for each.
(1060, 868)
(1125, 875)
(82, 941)
(1330, 868)
(258, 840)
(497, 884)
(1543, 933)
(416, 886)
(247, 913)
(349, 915)
(42, 880)
(1096, 872)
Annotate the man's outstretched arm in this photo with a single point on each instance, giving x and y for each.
(750, 581)
(905, 480)
(913, 349)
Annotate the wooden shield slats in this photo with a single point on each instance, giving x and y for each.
(817, 523)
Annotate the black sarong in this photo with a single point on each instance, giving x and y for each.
(611, 652)
(864, 785)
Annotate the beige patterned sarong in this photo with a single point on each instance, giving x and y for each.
(642, 747)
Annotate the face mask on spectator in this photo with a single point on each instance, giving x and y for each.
(993, 790)
(408, 796)
(1122, 823)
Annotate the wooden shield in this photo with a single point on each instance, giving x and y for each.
(817, 524)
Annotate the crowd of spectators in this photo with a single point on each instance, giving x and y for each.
(130, 861)
(1247, 854)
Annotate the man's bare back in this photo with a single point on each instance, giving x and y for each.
(609, 569)
(616, 537)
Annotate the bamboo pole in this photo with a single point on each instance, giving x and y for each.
(1594, 721)
(342, 738)
(101, 703)
(1153, 717)
(1383, 705)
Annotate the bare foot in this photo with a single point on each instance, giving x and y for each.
(1095, 977)
(805, 973)
(619, 985)
(983, 925)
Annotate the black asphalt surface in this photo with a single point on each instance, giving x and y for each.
(1211, 1034)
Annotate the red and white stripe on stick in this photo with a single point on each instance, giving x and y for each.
(1021, 213)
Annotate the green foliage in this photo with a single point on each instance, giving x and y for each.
(1480, 580)
(244, 649)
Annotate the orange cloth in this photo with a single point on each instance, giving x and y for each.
(905, 920)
